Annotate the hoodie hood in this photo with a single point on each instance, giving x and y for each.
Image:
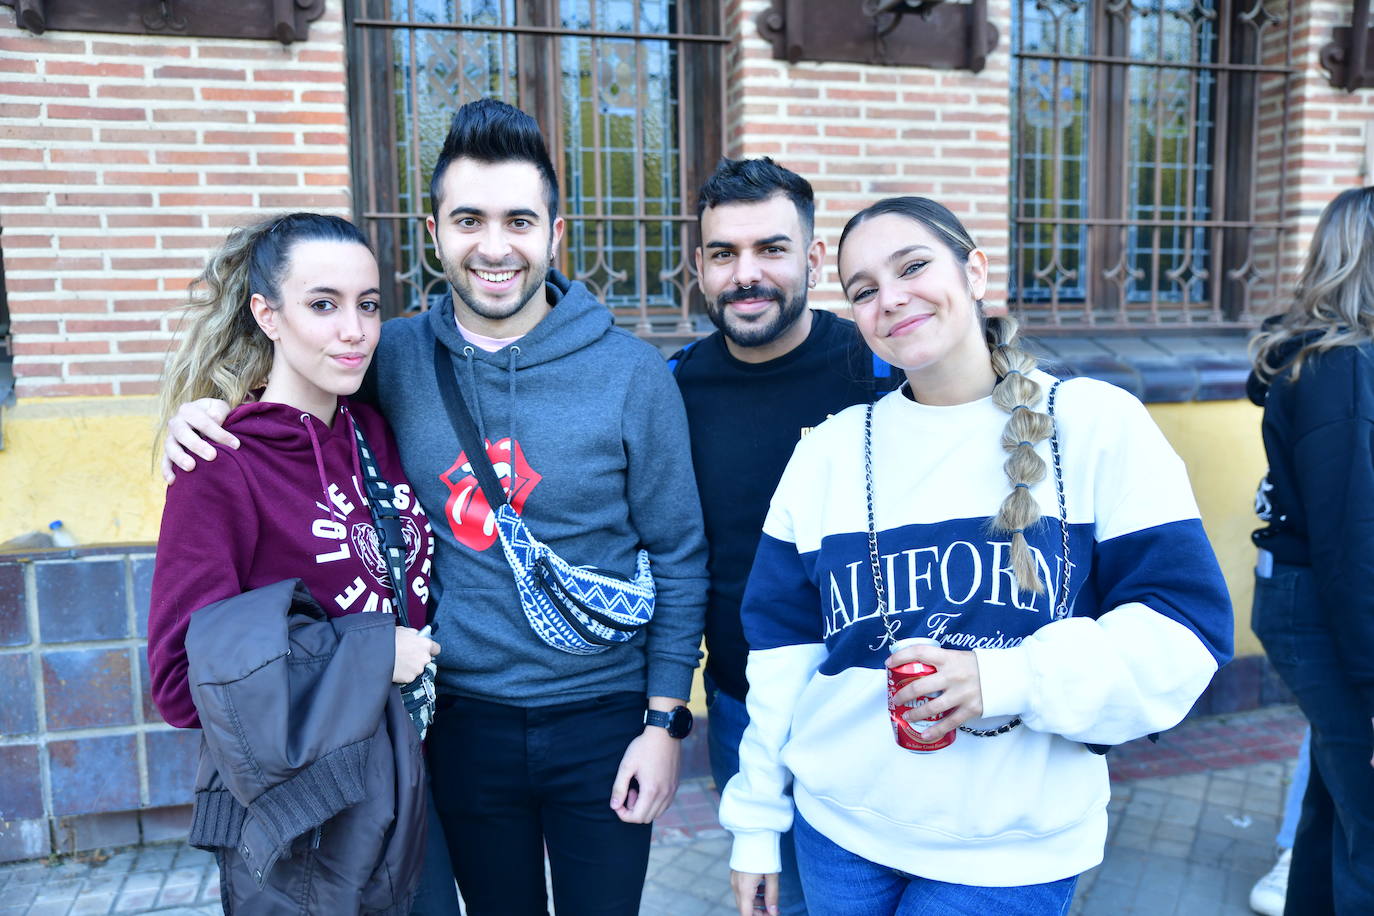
(284, 426)
(576, 320)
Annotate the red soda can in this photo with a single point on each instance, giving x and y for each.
(897, 678)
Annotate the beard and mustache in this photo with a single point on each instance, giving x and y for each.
(758, 330)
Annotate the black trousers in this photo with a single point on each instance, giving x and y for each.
(510, 782)
(1333, 851)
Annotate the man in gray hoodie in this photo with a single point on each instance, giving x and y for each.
(534, 748)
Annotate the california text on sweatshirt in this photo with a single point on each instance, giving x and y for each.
(1148, 622)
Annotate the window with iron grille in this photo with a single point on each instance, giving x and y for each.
(1148, 154)
(630, 98)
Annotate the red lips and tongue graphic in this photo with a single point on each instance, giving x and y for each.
(469, 514)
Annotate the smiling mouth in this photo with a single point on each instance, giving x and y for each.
(495, 276)
(911, 323)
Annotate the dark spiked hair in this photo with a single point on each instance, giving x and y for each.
(750, 180)
(491, 131)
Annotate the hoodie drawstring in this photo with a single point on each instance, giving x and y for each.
(510, 372)
(471, 370)
(468, 352)
(319, 463)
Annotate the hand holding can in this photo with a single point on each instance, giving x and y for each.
(908, 732)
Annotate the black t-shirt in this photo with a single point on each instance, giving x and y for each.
(745, 419)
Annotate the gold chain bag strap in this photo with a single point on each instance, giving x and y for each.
(890, 624)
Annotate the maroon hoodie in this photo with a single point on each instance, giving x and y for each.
(289, 503)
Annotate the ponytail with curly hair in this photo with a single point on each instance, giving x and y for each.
(1015, 392)
(222, 353)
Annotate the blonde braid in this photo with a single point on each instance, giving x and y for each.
(1019, 395)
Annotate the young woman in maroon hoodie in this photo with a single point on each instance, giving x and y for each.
(287, 308)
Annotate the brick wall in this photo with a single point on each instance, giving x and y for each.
(860, 133)
(123, 159)
(1330, 136)
(88, 762)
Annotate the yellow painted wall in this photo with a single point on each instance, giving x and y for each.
(1220, 443)
(86, 461)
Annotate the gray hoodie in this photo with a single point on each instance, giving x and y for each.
(602, 468)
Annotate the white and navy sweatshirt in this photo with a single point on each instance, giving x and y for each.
(1149, 623)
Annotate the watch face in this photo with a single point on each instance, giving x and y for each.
(680, 724)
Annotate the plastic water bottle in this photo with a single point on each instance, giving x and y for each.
(60, 535)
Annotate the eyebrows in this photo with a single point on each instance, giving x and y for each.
(760, 243)
(896, 256)
(517, 213)
(331, 291)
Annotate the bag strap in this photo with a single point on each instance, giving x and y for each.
(875, 564)
(387, 520)
(460, 417)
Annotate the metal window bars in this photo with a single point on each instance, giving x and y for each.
(631, 99)
(1149, 158)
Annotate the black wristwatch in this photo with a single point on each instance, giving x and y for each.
(678, 721)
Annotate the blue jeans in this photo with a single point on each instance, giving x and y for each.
(839, 883)
(725, 727)
(1292, 802)
(1333, 851)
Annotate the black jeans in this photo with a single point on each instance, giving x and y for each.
(435, 895)
(509, 782)
(1333, 851)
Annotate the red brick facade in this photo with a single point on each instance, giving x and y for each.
(122, 160)
(860, 133)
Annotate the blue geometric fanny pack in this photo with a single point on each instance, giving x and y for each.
(578, 609)
(581, 610)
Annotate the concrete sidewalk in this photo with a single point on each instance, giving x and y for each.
(1192, 824)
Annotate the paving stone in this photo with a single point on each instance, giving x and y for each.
(89, 904)
(13, 894)
(100, 883)
(156, 857)
(26, 872)
(50, 908)
(178, 895)
(190, 857)
(64, 889)
(143, 881)
(135, 901)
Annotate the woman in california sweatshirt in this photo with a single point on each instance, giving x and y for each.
(1056, 631)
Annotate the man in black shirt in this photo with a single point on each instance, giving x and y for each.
(772, 370)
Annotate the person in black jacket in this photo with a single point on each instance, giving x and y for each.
(1314, 607)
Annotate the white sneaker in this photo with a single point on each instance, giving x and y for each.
(1269, 893)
